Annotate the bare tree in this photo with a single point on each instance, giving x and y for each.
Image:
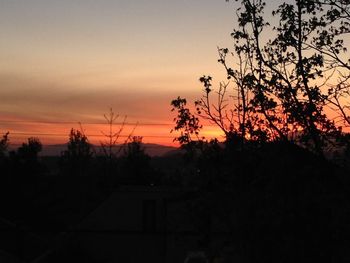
(113, 145)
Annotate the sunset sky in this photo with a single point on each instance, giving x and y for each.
(70, 61)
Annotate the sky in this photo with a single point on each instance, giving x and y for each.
(69, 61)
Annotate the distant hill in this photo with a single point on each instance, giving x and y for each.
(150, 148)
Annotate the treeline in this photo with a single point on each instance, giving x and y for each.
(49, 195)
(125, 163)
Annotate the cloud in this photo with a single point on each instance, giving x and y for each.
(27, 98)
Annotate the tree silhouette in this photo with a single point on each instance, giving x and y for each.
(112, 146)
(271, 194)
(25, 161)
(330, 42)
(76, 159)
(136, 163)
(186, 122)
(4, 143)
(112, 136)
(31, 149)
(109, 146)
(134, 148)
(289, 74)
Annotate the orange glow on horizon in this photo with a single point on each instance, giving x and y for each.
(59, 133)
(51, 133)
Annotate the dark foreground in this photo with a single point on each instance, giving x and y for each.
(278, 203)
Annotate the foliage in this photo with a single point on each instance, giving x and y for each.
(295, 69)
(185, 122)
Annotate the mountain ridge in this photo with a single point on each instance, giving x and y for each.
(152, 149)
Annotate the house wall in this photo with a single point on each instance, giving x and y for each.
(118, 232)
